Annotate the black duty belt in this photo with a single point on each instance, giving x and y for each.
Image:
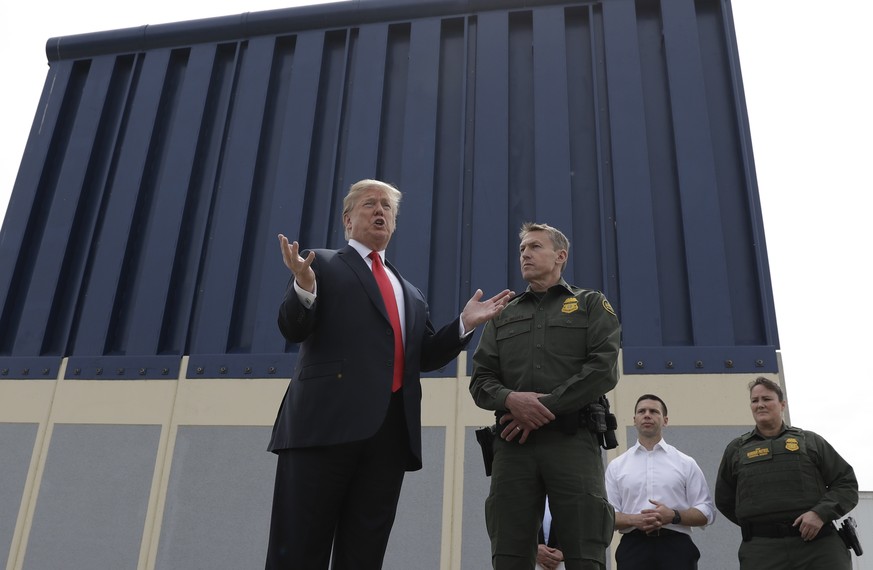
(568, 423)
(778, 530)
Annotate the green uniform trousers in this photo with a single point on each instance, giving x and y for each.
(569, 468)
(793, 553)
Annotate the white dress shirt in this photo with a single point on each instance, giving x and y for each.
(547, 522)
(547, 530)
(664, 474)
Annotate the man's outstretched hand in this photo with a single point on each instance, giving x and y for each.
(301, 268)
(477, 312)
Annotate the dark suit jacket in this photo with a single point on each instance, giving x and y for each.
(341, 386)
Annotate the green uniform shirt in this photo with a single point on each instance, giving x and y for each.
(563, 343)
(830, 491)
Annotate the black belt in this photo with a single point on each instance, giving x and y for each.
(778, 530)
(661, 532)
(568, 423)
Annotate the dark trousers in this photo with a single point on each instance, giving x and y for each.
(569, 469)
(338, 502)
(668, 550)
(794, 553)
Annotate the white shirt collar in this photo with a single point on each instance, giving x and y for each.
(364, 251)
(662, 445)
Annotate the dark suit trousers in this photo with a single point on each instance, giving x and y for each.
(668, 550)
(339, 500)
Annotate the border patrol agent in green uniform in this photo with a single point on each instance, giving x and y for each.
(551, 353)
(785, 486)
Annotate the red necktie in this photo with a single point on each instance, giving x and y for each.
(391, 305)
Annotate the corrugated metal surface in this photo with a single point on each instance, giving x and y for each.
(164, 160)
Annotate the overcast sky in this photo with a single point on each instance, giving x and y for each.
(806, 68)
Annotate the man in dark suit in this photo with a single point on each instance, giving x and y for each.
(350, 423)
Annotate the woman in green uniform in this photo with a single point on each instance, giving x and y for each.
(785, 487)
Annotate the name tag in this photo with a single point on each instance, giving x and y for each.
(760, 451)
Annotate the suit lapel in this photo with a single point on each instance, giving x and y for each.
(359, 267)
(365, 275)
(409, 293)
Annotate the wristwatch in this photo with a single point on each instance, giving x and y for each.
(677, 518)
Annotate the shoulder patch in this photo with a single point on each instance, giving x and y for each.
(608, 307)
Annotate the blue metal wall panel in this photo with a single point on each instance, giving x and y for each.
(448, 258)
(638, 261)
(490, 232)
(113, 271)
(711, 315)
(593, 252)
(226, 265)
(164, 161)
(50, 285)
(294, 116)
(553, 171)
(417, 141)
(164, 229)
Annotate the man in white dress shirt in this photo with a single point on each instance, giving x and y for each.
(549, 555)
(659, 493)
